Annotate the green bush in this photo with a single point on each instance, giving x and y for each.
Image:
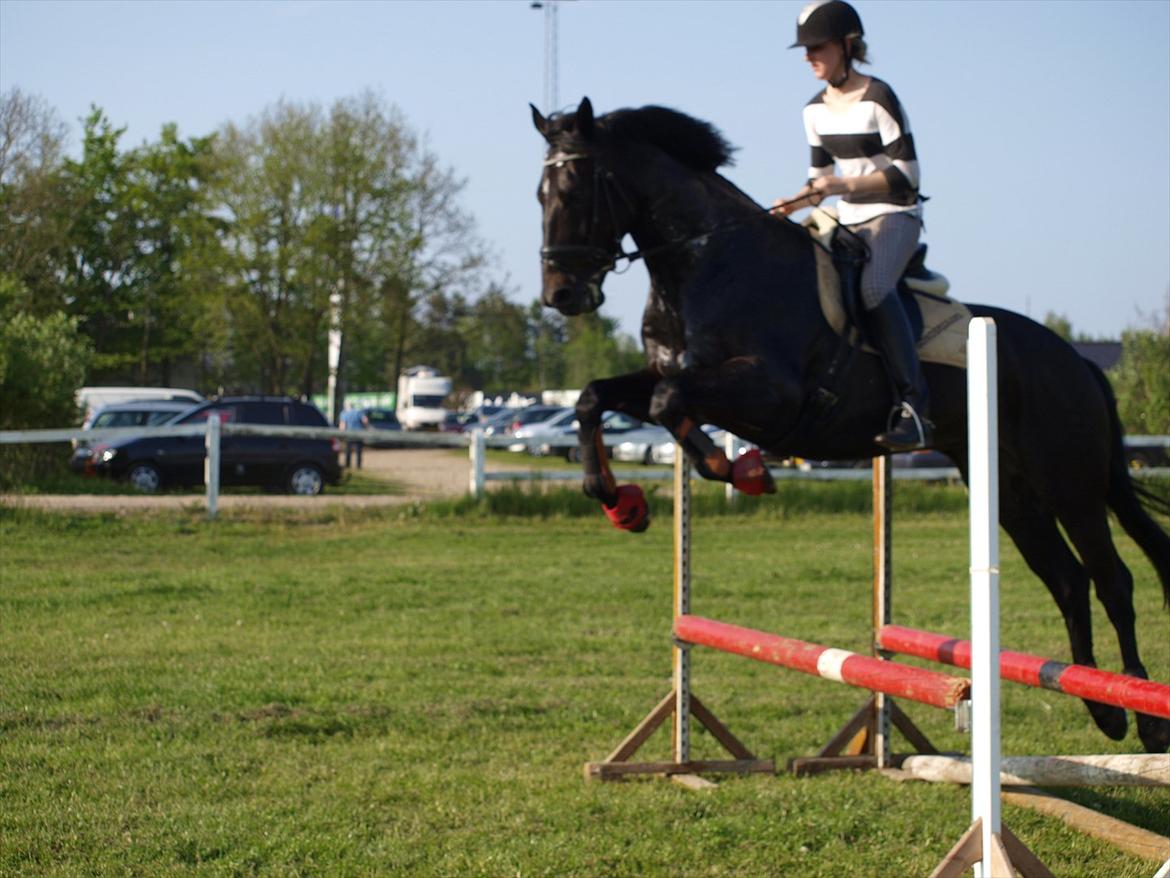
(42, 363)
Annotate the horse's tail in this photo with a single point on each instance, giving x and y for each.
(1131, 501)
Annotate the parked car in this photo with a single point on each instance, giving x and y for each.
(637, 445)
(511, 420)
(126, 414)
(478, 417)
(369, 418)
(535, 435)
(613, 426)
(1143, 452)
(90, 399)
(299, 466)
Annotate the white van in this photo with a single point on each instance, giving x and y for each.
(90, 399)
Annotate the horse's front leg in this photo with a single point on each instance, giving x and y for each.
(630, 394)
(737, 392)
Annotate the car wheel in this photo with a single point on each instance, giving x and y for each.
(306, 480)
(573, 455)
(145, 477)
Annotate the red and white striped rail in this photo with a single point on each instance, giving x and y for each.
(866, 672)
(1120, 690)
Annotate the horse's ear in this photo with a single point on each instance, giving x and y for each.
(585, 118)
(539, 121)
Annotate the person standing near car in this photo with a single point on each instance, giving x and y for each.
(857, 127)
(356, 419)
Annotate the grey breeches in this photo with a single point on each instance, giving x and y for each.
(892, 239)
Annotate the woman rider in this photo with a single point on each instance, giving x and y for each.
(858, 124)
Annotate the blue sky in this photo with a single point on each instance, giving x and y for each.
(1043, 128)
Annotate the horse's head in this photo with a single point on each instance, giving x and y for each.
(582, 235)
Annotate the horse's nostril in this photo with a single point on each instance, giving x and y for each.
(561, 297)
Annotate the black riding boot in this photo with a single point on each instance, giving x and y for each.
(889, 329)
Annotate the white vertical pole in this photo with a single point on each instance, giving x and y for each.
(983, 465)
(682, 604)
(883, 544)
(477, 447)
(211, 465)
(334, 357)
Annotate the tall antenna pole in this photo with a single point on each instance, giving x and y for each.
(551, 98)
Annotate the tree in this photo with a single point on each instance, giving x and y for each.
(43, 360)
(594, 349)
(497, 352)
(1141, 378)
(1059, 324)
(339, 216)
(35, 208)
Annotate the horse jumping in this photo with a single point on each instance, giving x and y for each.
(734, 336)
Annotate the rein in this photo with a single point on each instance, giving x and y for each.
(605, 182)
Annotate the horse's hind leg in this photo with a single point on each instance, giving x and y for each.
(1113, 582)
(1036, 535)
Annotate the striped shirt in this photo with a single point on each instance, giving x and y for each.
(868, 135)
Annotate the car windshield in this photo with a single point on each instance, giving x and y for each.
(425, 401)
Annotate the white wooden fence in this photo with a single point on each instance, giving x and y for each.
(476, 443)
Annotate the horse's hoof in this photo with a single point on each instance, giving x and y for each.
(750, 476)
(1109, 719)
(1154, 732)
(630, 512)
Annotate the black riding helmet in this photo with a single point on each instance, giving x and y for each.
(824, 21)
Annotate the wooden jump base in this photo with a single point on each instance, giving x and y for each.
(680, 704)
(876, 675)
(1120, 690)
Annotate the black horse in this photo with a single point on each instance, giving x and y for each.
(734, 336)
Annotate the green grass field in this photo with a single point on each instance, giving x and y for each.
(414, 692)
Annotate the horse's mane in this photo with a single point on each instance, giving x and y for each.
(695, 143)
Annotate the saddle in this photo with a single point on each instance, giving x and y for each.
(939, 322)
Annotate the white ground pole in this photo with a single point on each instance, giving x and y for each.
(983, 454)
(211, 465)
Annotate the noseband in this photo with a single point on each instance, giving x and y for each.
(590, 261)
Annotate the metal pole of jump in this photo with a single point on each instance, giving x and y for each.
(211, 465)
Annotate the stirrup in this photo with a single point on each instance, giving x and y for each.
(895, 438)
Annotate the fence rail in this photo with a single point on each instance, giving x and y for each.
(476, 443)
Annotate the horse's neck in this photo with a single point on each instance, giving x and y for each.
(679, 209)
(693, 226)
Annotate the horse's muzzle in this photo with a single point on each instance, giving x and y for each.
(577, 298)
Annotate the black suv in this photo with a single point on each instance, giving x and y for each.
(299, 466)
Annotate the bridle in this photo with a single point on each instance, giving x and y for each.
(592, 260)
(598, 259)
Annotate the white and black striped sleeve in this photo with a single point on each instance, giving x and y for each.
(897, 141)
(820, 161)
